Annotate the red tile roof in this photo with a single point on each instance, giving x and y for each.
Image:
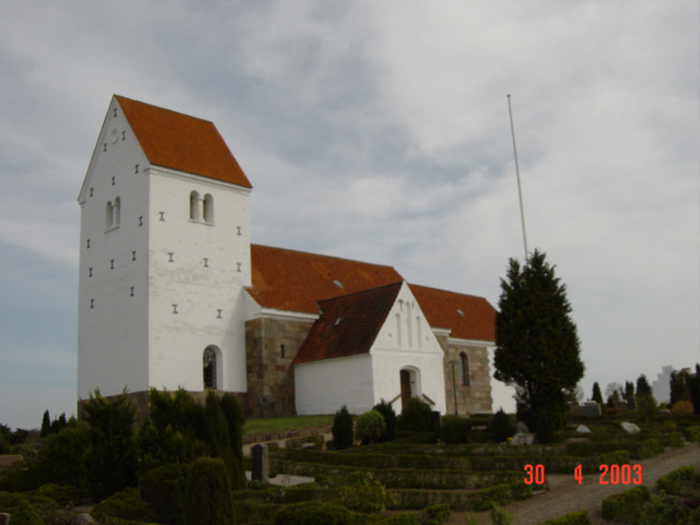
(293, 281)
(180, 142)
(348, 325)
(441, 308)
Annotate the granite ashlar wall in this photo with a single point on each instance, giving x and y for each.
(271, 346)
(474, 398)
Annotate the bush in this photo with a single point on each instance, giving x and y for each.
(390, 419)
(163, 489)
(545, 428)
(626, 506)
(342, 429)
(369, 426)
(312, 513)
(436, 514)
(364, 495)
(60, 460)
(64, 495)
(19, 508)
(672, 482)
(416, 416)
(646, 406)
(500, 516)
(682, 408)
(455, 429)
(501, 427)
(126, 505)
(575, 518)
(208, 493)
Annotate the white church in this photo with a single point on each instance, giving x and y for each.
(173, 294)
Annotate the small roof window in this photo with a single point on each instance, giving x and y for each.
(337, 283)
(337, 321)
(460, 312)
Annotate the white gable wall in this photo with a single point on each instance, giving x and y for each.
(323, 387)
(113, 323)
(407, 341)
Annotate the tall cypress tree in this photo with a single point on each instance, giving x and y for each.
(597, 394)
(537, 345)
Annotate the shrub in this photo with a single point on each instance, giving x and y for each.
(406, 518)
(626, 506)
(436, 514)
(64, 495)
(390, 419)
(470, 518)
(501, 427)
(669, 425)
(342, 429)
(19, 508)
(60, 460)
(416, 416)
(455, 429)
(364, 495)
(312, 513)
(500, 516)
(682, 408)
(111, 456)
(126, 505)
(545, 427)
(575, 518)
(369, 426)
(646, 406)
(163, 489)
(672, 482)
(208, 493)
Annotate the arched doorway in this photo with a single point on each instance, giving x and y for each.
(409, 377)
(209, 366)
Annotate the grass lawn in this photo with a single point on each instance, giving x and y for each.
(281, 424)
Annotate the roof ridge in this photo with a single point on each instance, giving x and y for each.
(448, 291)
(161, 108)
(320, 255)
(361, 292)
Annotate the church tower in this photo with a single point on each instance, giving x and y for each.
(164, 256)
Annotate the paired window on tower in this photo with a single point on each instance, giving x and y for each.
(113, 214)
(201, 208)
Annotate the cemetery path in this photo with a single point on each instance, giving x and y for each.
(566, 495)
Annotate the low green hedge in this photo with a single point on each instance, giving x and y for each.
(313, 514)
(478, 500)
(20, 510)
(672, 482)
(637, 450)
(575, 518)
(692, 434)
(375, 460)
(626, 506)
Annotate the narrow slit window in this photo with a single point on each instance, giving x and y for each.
(465, 368)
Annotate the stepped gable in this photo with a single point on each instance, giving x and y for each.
(348, 324)
(293, 281)
(441, 308)
(181, 142)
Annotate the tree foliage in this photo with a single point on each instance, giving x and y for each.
(643, 387)
(680, 386)
(695, 390)
(597, 395)
(392, 422)
(342, 429)
(537, 342)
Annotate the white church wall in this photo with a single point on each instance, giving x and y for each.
(406, 341)
(323, 387)
(197, 271)
(503, 395)
(113, 298)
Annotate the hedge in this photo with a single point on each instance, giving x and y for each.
(672, 482)
(406, 478)
(21, 512)
(313, 514)
(575, 518)
(626, 506)
(478, 500)
(374, 461)
(692, 434)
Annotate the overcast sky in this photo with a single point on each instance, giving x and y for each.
(376, 131)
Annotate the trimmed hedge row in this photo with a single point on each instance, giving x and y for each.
(478, 500)
(406, 478)
(575, 518)
(672, 482)
(640, 450)
(374, 461)
(281, 495)
(692, 434)
(626, 506)
(552, 464)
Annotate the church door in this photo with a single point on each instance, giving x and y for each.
(405, 388)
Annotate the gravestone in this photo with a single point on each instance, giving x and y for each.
(4, 518)
(664, 412)
(261, 465)
(521, 428)
(630, 428)
(590, 410)
(523, 438)
(583, 429)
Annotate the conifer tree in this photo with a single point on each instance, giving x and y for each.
(597, 394)
(643, 388)
(537, 343)
(45, 424)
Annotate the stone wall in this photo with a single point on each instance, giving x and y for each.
(269, 368)
(474, 398)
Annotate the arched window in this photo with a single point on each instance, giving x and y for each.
(209, 366)
(116, 211)
(194, 206)
(208, 209)
(108, 216)
(465, 368)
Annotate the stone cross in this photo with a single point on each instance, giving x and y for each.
(261, 465)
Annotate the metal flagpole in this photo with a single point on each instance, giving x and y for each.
(517, 172)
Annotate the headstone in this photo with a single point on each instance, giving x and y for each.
(82, 519)
(631, 403)
(523, 438)
(4, 518)
(261, 465)
(521, 428)
(583, 429)
(664, 412)
(630, 428)
(590, 410)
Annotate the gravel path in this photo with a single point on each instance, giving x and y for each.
(566, 495)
